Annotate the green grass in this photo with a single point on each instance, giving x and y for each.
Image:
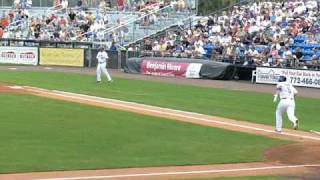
(247, 106)
(39, 134)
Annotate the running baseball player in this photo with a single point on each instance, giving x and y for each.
(102, 57)
(287, 93)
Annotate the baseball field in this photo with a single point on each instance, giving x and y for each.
(61, 123)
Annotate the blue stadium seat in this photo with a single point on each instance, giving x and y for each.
(307, 58)
(301, 39)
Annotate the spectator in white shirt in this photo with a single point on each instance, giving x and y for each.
(252, 54)
(254, 28)
(287, 56)
(156, 47)
(300, 8)
(216, 28)
(199, 50)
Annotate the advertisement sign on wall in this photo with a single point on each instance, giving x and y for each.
(193, 70)
(173, 69)
(19, 55)
(62, 57)
(304, 78)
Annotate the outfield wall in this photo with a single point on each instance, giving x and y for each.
(54, 56)
(163, 66)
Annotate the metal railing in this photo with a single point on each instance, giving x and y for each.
(36, 43)
(147, 24)
(129, 17)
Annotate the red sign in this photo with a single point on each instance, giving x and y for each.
(163, 68)
(27, 55)
(8, 54)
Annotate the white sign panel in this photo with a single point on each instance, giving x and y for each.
(19, 55)
(193, 70)
(303, 78)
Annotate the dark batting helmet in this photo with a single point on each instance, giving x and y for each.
(282, 79)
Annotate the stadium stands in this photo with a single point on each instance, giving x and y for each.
(264, 33)
(100, 24)
(256, 33)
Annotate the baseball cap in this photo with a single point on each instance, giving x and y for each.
(282, 79)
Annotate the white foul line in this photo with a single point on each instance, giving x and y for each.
(103, 100)
(184, 172)
(15, 87)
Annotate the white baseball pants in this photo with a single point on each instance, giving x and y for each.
(101, 68)
(285, 105)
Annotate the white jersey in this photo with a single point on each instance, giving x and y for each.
(102, 57)
(285, 90)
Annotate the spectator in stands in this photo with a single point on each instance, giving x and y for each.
(299, 57)
(199, 25)
(72, 16)
(163, 47)
(199, 51)
(156, 47)
(113, 47)
(230, 53)
(148, 45)
(275, 55)
(16, 3)
(64, 4)
(29, 4)
(252, 55)
(315, 56)
(179, 50)
(1, 32)
(287, 57)
(79, 4)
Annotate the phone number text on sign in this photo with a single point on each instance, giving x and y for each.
(305, 81)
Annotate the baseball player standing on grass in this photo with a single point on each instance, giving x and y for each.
(287, 104)
(102, 57)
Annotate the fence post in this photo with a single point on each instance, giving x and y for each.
(119, 59)
(90, 57)
(126, 58)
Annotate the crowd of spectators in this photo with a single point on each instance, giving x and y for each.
(60, 23)
(261, 33)
(64, 23)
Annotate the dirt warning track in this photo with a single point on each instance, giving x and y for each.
(303, 159)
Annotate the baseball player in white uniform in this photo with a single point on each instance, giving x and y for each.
(102, 57)
(286, 92)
